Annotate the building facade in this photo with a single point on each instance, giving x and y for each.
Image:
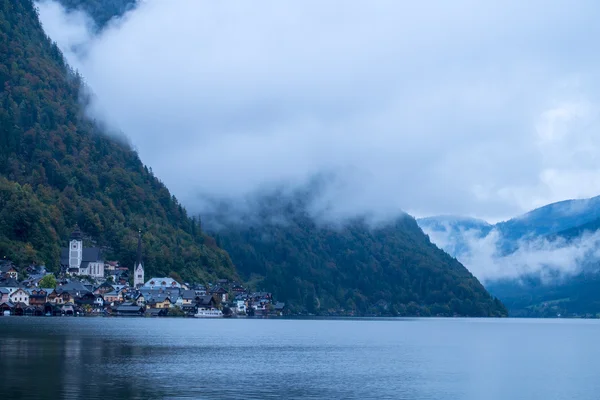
(80, 260)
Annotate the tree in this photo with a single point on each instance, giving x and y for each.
(48, 281)
(175, 276)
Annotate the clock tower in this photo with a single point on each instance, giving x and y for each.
(75, 249)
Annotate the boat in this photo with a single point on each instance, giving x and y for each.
(208, 313)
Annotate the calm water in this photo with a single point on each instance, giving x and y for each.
(111, 358)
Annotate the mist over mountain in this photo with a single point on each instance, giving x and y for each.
(545, 262)
(58, 168)
(225, 100)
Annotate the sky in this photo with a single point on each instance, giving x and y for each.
(483, 109)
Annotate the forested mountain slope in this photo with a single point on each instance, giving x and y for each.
(57, 169)
(351, 267)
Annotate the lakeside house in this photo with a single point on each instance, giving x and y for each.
(87, 284)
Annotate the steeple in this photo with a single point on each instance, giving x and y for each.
(138, 268)
(76, 234)
(139, 250)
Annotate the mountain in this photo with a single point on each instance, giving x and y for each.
(314, 268)
(351, 267)
(58, 169)
(559, 243)
(567, 218)
(101, 11)
(551, 219)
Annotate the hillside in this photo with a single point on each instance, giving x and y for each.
(567, 218)
(551, 219)
(57, 169)
(101, 11)
(575, 296)
(351, 268)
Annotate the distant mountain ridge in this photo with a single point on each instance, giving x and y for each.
(559, 226)
(553, 220)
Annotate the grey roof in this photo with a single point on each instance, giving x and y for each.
(128, 308)
(279, 306)
(158, 282)
(205, 300)
(188, 294)
(11, 282)
(74, 287)
(90, 254)
(7, 267)
(158, 298)
(148, 292)
(30, 291)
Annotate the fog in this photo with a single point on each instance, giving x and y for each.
(484, 109)
(547, 258)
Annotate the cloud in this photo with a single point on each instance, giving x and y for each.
(476, 108)
(546, 258)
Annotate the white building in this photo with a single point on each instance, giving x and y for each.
(19, 296)
(156, 283)
(79, 260)
(138, 268)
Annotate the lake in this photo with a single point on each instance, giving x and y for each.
(129, 358)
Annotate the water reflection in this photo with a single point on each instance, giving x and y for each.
(40, 365)
(110, 358)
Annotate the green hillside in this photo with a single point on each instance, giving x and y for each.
(57, 169)
(389, 270)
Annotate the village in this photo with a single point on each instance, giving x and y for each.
(90, 286)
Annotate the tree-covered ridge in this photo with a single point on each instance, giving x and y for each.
(393, 270)
(57, 168)
(101, 11)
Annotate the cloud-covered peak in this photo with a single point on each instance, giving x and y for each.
(473, 108)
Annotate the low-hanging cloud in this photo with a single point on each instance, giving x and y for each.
(468, 107)
(546, 258)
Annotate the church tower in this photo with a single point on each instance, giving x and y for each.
(75, 249)
(138, 268)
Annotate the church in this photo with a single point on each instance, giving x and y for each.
(138, 268)
(79, 260)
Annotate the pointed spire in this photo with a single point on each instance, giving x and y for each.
(139, 249)
(76, 234)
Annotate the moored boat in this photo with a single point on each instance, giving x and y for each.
(208, 313)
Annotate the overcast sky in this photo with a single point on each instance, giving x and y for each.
(485, 109)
